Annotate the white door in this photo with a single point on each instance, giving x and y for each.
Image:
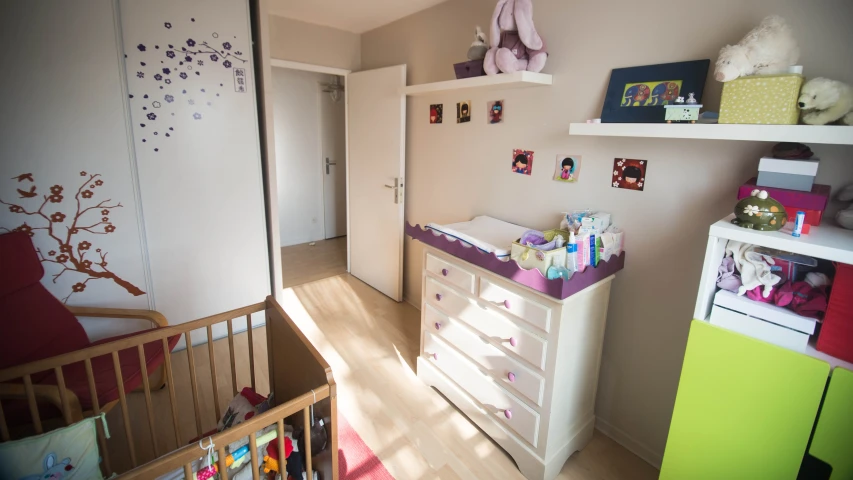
(376, 124)
(333, 163)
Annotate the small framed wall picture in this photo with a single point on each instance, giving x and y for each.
(522, 161)
(495, 112)
(629, 174)
(568, 168)
(463, 112)
(435, 113)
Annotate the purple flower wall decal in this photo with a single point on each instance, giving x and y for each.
(238, 53)
(156, 104)
(190, 42)
(167, 25)
(158, 77)
(197, 116)
(226, 64)
(169, 98)
(170, 54)
(140, 75)
(226, 46)
(188, 58)
(151, 116)
(167, 82)
(183, 75)
(167, 71)
(200, 62)
(214, 58)
(141, 47)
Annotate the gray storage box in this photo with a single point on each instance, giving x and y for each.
(785, 180)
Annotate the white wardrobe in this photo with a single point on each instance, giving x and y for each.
(129, 145)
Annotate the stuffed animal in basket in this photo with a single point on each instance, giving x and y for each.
(515, 45)
(845, 217)
(767, 49)
(824, 101)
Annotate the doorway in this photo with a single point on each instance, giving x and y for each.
(309, 110)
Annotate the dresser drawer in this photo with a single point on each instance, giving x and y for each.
(530, 311)
(497, 401)
(450, 273)
(506, 371)
(499, 329)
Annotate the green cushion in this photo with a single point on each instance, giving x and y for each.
(744, 409)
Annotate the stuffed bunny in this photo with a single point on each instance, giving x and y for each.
(515, 44)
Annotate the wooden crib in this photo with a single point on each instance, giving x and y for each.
(298, 376)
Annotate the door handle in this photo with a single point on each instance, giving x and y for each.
(398, 190)
(329, 163)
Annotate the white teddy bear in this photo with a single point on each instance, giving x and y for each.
(768, 49)
(825, 101)
(845, 217)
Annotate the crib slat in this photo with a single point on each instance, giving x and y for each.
(188, 471)
(307, 416)
(31, 400)
(63, 395)
(223, 470)
(270, 363)
(4, 429)
(146, 387)
(251, 349)
(253, 450)
(282, 462)
(193, 384)
(122, 398)
(213, 372)
(96, 409)
(170, 383)
(231, 353)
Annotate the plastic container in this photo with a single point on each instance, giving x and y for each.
(836, 334)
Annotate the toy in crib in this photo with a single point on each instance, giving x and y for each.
(271, 458)
(238, 457)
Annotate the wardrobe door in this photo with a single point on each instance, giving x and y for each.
(195, 130)
(66, 159)
(833, 435)
(745, 408)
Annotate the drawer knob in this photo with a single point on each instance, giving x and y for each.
(438, 296)
(435, 356)
(444, 272)
(513, 341)
(437, 325)
(508, 414)
(511, 377)
(506, 303)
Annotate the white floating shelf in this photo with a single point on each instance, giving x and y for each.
(826, 241)
(829, 134)
(500, 81)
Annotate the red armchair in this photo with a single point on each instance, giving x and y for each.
(35, 325)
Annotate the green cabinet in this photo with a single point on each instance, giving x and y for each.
(833, 435)
(744, 409)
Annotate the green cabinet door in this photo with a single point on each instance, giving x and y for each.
(833, 435)
(744, 409)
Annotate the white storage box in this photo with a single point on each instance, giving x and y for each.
(789, 174)
(763, 321)
(529, 258)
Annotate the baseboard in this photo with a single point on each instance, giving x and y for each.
(410, 302)
(637, 448)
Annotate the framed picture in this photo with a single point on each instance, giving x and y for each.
(638, 94)
(495, 112)
(463, 112)
(522, 161)
(435, 113)
(629, 173)
(568, 168)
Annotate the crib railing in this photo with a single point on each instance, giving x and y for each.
(23, 374)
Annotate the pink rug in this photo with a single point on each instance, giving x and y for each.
(356, 461)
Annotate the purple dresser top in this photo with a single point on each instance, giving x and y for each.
(814, 200)
(558, 288)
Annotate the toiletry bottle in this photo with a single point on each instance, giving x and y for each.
(572, 253)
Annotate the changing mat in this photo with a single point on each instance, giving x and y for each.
(488, 234)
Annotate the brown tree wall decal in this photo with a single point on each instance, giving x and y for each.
(71, 254)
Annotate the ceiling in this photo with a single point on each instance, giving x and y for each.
(357, 16)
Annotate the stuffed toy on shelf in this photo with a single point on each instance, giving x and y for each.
(825, 101)
(845, 217)
(515, 45)
(769, 48)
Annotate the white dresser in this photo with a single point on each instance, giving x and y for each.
(521, 365)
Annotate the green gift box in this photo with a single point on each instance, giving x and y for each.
(762, 99)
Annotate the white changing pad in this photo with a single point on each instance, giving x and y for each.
(486, 233)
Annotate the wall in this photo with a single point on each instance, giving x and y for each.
(690, 184)
(314, 44)
(299, 161)
(63, 121)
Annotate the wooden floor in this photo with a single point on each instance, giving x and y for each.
(371, 343)
(307, 263)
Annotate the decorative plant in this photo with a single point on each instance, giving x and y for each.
(71, 254)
